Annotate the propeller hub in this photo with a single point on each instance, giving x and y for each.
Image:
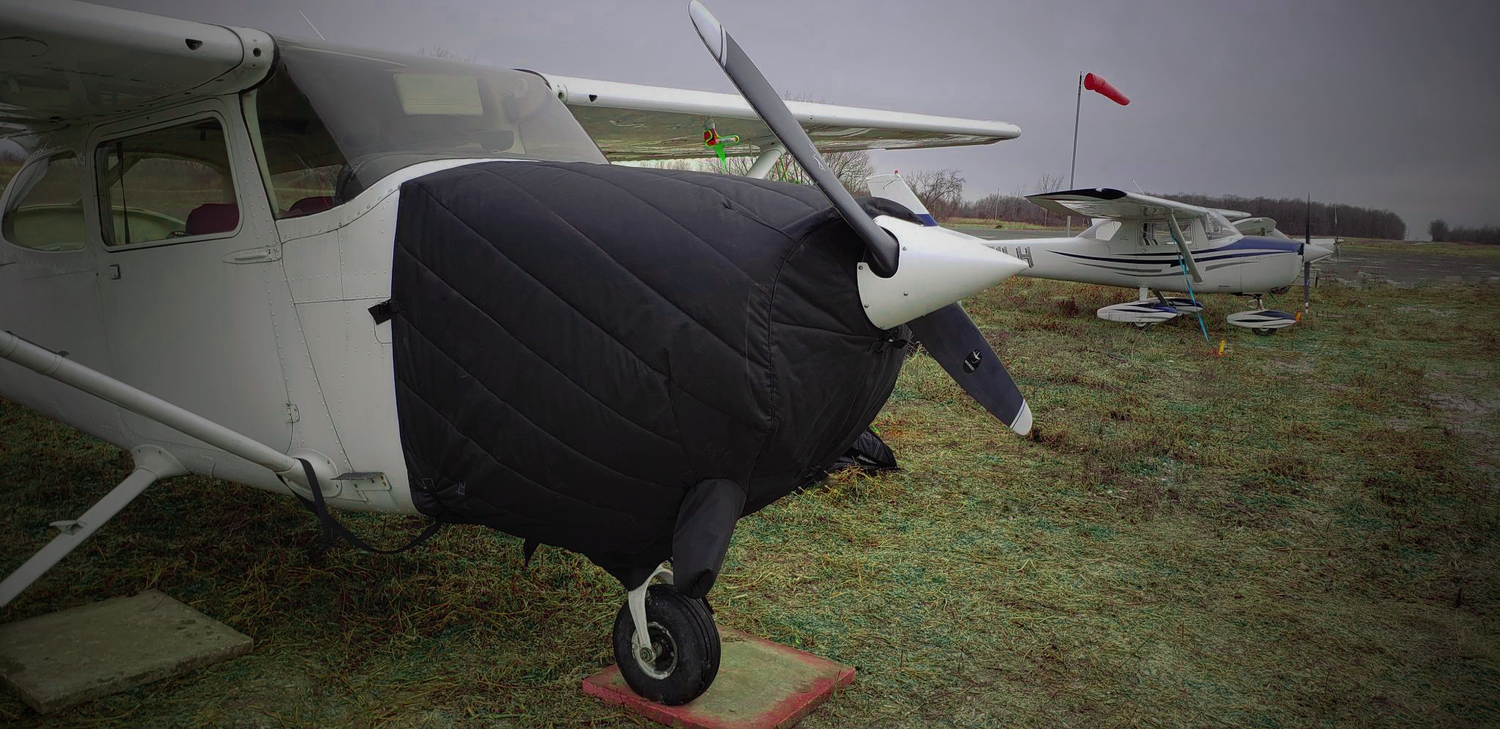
(937, 269)
(1312, 252)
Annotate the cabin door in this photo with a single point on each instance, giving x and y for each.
(189, 266)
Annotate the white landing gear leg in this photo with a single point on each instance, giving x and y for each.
(640, 642)
(151, 465)
(666, 644)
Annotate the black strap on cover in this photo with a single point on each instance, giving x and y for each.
(332, 527)
(528, 548)
(383, 311)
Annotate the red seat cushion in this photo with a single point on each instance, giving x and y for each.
(213, 218)
(310, 205)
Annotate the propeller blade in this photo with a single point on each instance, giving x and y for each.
(1306, 264)
(882, 248)
(1306, 285)
(952, 339)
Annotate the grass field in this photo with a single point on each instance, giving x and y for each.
(1303, 532)
(995, 223)
(1465, 250)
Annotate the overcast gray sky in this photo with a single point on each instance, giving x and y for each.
(1380, 103)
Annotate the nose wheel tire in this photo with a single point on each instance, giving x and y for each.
(1144, 325)
(684, 655)
(1264, 332)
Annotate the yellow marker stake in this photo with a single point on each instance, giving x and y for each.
(1222, 342)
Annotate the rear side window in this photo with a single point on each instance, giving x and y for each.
(166, 183)
(45, 211)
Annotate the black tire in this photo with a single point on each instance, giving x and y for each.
(687, 647)
(1264, 332)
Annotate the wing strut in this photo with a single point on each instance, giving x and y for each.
(151, 465)
(1182, 247)
(767, 159)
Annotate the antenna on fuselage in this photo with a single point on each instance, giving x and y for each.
(310, 25)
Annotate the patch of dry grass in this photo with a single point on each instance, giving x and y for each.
(1463, 250)
(1303, 532)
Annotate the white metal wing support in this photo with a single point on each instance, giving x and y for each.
(151, 463)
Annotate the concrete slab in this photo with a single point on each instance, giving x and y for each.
(63, 659)
(760, 685)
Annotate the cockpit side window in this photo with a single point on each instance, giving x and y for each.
(1219, 226)
(45, 210)
(1104, 231)
(169, 183)
(12, 156)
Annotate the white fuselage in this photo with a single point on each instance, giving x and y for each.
(264, 329)
(1232, 264)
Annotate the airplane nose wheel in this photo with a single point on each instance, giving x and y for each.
(680, 657)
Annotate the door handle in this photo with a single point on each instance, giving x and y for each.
(254, 255)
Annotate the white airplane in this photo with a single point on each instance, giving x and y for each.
(1155, 245)
(410, 285)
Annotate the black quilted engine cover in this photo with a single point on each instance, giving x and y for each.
(576, 346)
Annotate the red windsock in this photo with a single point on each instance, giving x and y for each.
(1097, 83)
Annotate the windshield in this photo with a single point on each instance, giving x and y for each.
(333, 122)
(1219, 226)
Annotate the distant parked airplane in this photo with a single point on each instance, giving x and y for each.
(1154, 245)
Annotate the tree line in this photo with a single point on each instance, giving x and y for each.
(942, 192)
(1442, 232)
(1293, 215)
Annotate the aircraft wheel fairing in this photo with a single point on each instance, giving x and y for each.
(684, 655)
(1262, 321)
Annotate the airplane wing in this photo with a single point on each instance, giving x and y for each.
(1107, 202)
(636, 122)
(64, 62)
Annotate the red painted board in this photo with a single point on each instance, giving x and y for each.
(760, 685)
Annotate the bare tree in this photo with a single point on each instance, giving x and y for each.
(1048, 182)
(851, 168)
(1486, 234)
(941, 191)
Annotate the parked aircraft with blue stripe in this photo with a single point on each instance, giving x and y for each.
(1156, 246)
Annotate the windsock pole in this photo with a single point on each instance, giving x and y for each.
(1073, 168)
